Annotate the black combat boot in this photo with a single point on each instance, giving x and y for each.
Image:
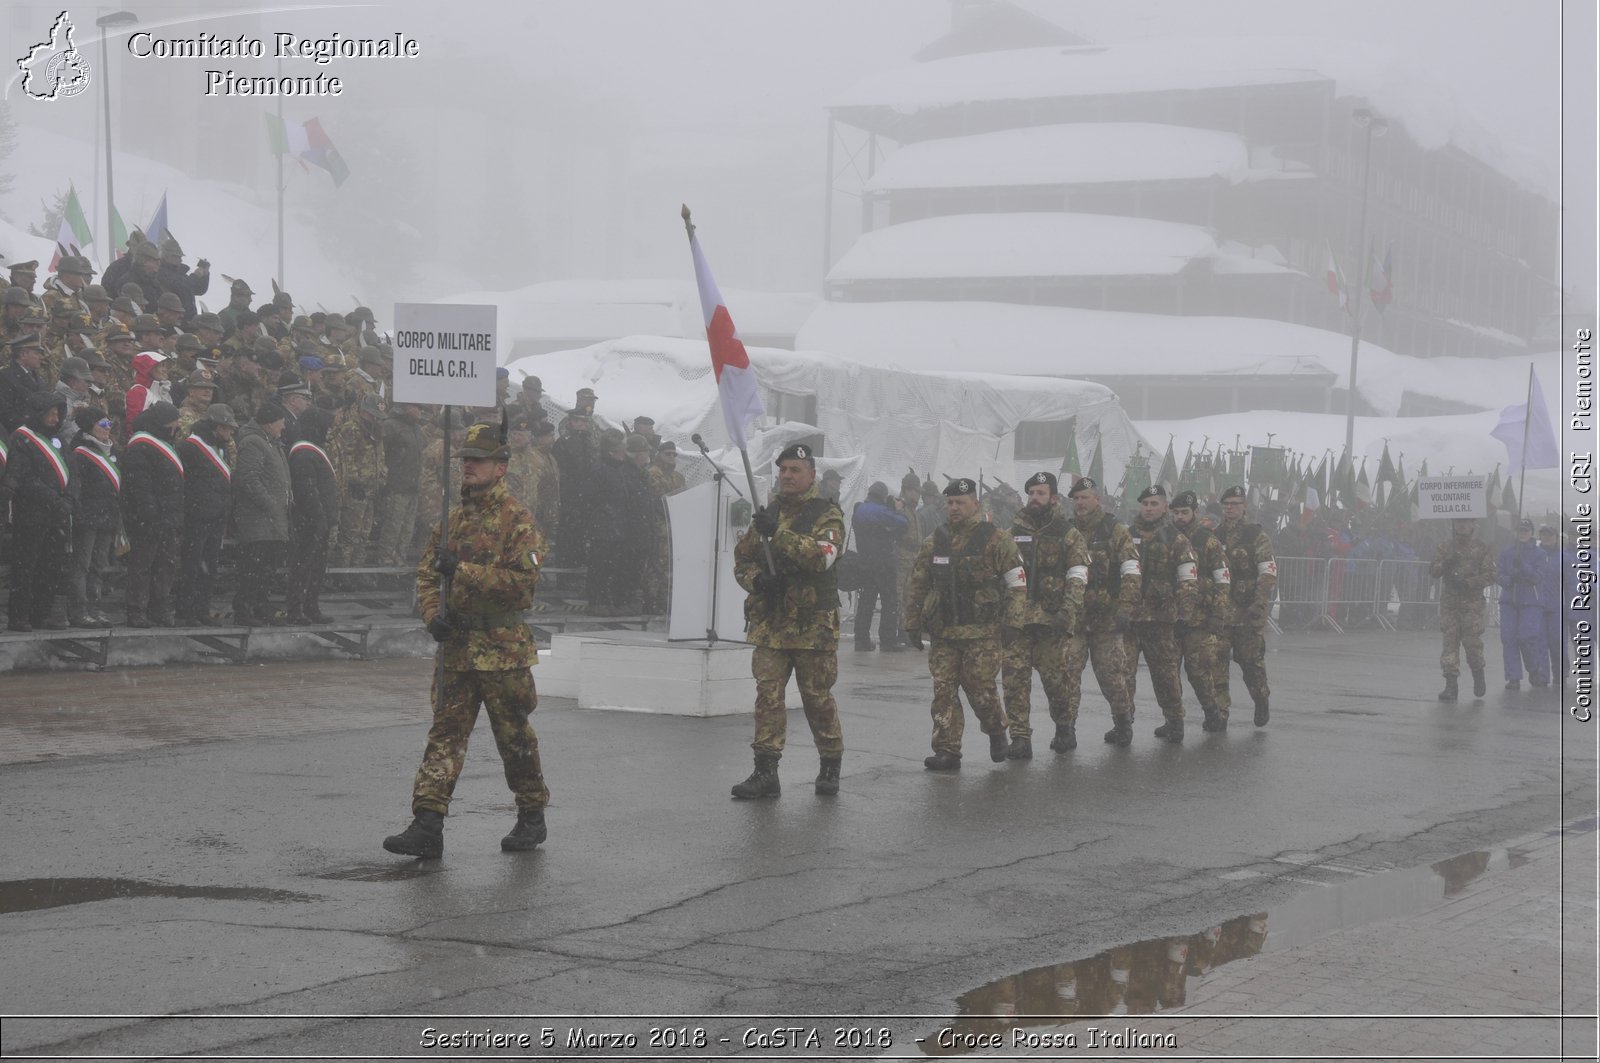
(1450, 692)
(997, 747)
(1262, 714)
(1513, 684)
(527, 834)
(1214, 723)
(763, 782)
(1479, 686)
(1172, 731)
(828, 776)
(424, 838)
(1121, 733)
(1020, 749)
(1066, 738)
(942, 762)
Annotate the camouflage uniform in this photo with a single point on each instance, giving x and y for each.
(1254, 573)
(906, 549)
(488, 661)
(356, 448)
(795, 629)
(658, 563)
(1111, 597)
(547, 491)
(1057, 564)
(966, 583)
(1167, 594)
(1205, 643)
(1466, 567)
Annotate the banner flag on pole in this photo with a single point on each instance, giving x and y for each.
(157, 229)
(1336, 283)
(1382, 286)
(736, 379)
(119, 234)
(1515, 421)
(73, 235)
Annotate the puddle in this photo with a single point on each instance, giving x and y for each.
(380, 873)
(1163, 973)
(32, 894)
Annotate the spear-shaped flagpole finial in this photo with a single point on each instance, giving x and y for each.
(687, 224)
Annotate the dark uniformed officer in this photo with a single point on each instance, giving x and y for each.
(1108, 605)
(1467, 567)
(1204, 642)
(490, 553)
(1167, 592)
(793, 611)
(1255, 577)
(966, 583)
(37, 481)
(1056, 562)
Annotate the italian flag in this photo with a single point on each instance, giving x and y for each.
(736, 379)
(309, 143)
(1336, 283)
(74, 234)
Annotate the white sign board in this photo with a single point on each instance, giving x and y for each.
(445, 353)
(1445, 497)
(705, 596)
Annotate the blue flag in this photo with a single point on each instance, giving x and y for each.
(157, 229)
(1517, 422)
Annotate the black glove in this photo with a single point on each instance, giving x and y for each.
(440, 627)
(765, 521)
(914, 638)
(445, 561)
(768, 583)
(1122, 624)
(203, 264)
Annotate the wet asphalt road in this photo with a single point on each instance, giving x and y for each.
(255, 883)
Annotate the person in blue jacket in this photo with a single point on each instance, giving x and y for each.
(1554, 604)
(1520, 571)
(877, 523)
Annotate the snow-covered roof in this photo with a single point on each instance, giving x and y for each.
(1358, 69)
(1079, 153)
(605, 309)
(1024, 245)
(1039, 340)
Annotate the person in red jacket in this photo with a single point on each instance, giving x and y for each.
(150, 385)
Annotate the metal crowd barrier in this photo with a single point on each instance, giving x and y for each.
(1341, 593)
(1303, 594)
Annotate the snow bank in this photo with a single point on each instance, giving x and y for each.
(1024, 245)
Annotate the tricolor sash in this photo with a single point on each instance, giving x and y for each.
(306, 444)
(48, 451)
(105, 466)
(216, 459)
(161, 445)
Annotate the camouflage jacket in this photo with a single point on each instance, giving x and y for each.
(357, 453)
(1057, 562)
(1216, 581)
(1168, 583)
(547, 490)
(1114, 572)
(803, 614)
(499, 548)
(1253, 569)
(967, 583)
(1466, 566)
(666, 482)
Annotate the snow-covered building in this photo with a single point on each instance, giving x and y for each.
(1190, 177)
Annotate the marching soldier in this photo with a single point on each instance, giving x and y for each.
(1056, 561)
(1109, 602)
(1254, 572)
(967, 583)
(793, 611)
(1204, 642)
(1167, 592)
(1467, 567)
(488, 554)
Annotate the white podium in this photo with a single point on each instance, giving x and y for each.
(707, 602)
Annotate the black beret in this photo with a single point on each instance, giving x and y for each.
(1233, 492)
(1525, 524)
(960, 486)
(1547, 529)
(1185, 500)
(796, 450)
(1083, 483)
(1048, 479)
(1153, 491)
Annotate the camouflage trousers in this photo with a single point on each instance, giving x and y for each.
(509, 696)
(1157, 640)
(1037, 648)
(1205, 662)
(1108, 650)
(657, 566)
(397, 519)
(1249, 645)
(355, 533)
(815, 672)
(1461, 627)
(969, 665)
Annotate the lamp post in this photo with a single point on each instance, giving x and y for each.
(107, 23)
(1375, 127)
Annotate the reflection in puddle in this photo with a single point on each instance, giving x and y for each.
(32, 894)
(1158, 974)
